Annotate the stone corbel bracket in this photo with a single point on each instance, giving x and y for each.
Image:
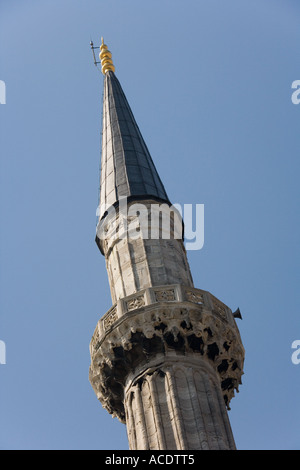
(157, 322)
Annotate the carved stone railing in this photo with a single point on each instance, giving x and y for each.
(152, 295)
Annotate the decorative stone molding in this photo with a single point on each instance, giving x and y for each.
(156, 330)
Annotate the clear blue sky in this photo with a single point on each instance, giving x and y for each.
(209, 83)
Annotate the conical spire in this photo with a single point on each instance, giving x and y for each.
(127, 169)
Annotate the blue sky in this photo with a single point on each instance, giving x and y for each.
(210, 86)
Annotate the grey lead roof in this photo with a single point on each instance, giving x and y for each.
(127, 168)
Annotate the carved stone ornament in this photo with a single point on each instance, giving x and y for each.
(155, 331)
(136, 302)
(165, 295)
(110, 319)
(193, 296)
(219, 307)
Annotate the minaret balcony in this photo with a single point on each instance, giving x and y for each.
(160, 322)
(132, 304)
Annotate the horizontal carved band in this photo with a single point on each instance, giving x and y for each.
(153, 295)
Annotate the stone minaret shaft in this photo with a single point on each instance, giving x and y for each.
(167, 357)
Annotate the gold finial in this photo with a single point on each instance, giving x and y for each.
(105, 57)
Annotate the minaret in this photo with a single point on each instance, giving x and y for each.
(167, 357)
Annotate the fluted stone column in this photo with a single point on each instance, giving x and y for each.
(177, 405)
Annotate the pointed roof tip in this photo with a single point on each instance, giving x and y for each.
(127, 169)
(106, 58)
